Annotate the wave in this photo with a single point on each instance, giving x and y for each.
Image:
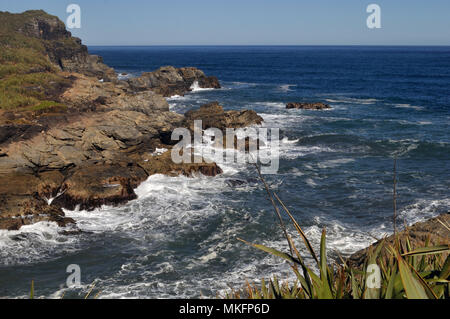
(270, 104)
(335, 163)
(177, 98)
(350, 100)
(238, 85)
(34, 243)
(286, 87)
(424, 209)
(195, 87)
(284, 120)
(286, 140)
(408, 106)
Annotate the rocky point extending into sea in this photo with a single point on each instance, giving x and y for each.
(90, 138)
(97, 143)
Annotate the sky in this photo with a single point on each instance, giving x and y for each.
(251, 22)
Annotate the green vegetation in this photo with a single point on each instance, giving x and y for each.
(420, 273)
(29, 90)
(27, 76)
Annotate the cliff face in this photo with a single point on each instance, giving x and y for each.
(63, 50)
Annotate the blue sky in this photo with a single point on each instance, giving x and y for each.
(252, 22)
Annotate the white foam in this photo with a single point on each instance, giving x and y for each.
(169, 206)
(286, 87)
(195, 87)
(286, 140)
(349, 100)
(335, 162)
(33, 243)
(284, 120)
(50, 200)
(270, 104)
(159, 151)
(423, 209)
(176, 98)
(121, 76)
(408, 106)
(240, 85)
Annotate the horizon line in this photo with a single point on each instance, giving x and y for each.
(269, 45)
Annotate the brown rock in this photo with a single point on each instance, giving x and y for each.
(23, 200)
(163, 164)
(96, 185)
(241, 144)
(419, 234)
(213, 115)
(29, 210)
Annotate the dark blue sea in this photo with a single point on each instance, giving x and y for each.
(178, 239)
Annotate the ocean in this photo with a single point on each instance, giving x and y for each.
(179, 238)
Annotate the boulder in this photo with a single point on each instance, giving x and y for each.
(96, 185)
(163, 164)
(213, 116)
(169, 81)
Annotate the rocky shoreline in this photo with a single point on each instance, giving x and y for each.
(98, 139)
(98, 143)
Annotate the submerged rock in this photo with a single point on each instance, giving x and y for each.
(308, 106)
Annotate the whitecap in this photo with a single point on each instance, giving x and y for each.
(349, 100)
(408, 106)
(195, 87)
(270, 104)
(286, 87)
(424, 209)
(335, 162)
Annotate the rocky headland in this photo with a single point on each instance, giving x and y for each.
(73, 135)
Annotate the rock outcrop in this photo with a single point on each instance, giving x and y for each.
(170, 81)
(431, 231)
(23, 199)
(94, 142)
(308, 106)
(64, 51)
(213, 115)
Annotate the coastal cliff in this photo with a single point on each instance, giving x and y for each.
(71, 131)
